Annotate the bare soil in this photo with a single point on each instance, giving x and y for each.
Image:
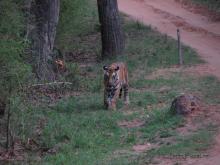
(195, 71)
(142, 147)
(198, 30)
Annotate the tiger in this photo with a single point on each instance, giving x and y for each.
(115, 81)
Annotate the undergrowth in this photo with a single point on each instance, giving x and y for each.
(13, 69)
(78, 127)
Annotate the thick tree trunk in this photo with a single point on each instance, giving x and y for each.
(42, 34)
(112, 35)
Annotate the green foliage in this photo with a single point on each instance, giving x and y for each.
(11, 19)
(78, 127)
(13, 69)
(77, 18)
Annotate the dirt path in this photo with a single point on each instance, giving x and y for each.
(198, 31)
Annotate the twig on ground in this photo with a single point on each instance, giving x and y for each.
(51, 83)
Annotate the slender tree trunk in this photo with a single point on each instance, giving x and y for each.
(2, 107)
(8, 129)
(43, 32)
(112, 35)
(8, 138)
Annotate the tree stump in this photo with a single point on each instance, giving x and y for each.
(185, 104)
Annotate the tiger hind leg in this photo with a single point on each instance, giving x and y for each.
(120, 94)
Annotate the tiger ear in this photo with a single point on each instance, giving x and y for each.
(105, 67)
(117, 68)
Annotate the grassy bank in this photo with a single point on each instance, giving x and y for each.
(211, 4)
(78, 130)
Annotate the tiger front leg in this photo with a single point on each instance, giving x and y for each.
(112, 105)
(109, 100)
(114, 100)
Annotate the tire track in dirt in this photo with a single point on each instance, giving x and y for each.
(179, 22)
(198, 31)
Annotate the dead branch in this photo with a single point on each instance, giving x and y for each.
(51, 83)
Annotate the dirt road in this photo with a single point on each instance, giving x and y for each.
(198, 31)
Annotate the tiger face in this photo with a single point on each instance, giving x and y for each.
(111, 75)
(115, 80)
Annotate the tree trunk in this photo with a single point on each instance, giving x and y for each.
(112, 35)
(42, 34)
(2, 107)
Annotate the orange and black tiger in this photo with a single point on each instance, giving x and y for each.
(115, 81)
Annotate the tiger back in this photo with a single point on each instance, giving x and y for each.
(115, 82)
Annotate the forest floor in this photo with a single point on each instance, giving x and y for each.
(200, 28)
(69, 125)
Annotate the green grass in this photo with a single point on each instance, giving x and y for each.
(191, 145)
(79, 127)
(162, 122)
(13, 69)
(77, 18)
(212, 4)
(85, 133)
(86, 137)
(153, 49)
(12, 23)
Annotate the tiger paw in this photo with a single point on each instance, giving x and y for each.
(127, 102)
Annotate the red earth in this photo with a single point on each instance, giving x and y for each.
(198, 30)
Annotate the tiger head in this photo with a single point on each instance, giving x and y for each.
(111, 76)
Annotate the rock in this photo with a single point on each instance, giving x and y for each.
(185, 104)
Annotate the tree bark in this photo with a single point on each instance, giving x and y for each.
(111, 31)
(43, 32)
(2, 107)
